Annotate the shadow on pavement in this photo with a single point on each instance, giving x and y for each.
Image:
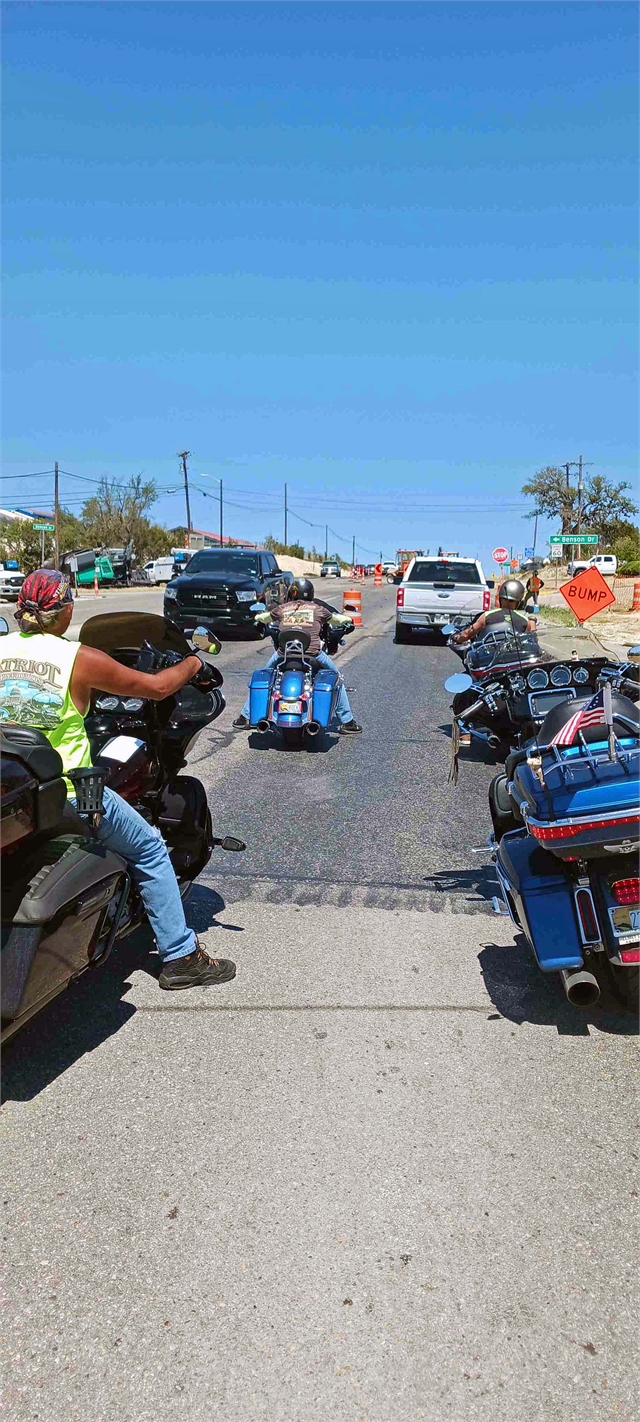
(271, 741)
(521, 993)
(90, 1011)
(478, 882)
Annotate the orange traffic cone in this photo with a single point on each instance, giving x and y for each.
(635, 606)
(352, 604)
(96, 591)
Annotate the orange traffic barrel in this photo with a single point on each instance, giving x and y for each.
(377, 576)
(352, 605)
(635, 606)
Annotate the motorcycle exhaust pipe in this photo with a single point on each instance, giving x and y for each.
(313, 728)
(581, 987)
(263, 725)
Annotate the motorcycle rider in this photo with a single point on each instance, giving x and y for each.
(63, 674)
(505, 617)
(303, 609)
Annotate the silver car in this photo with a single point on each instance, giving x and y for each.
(10, 584)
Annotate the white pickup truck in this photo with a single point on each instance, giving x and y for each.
(436, 591)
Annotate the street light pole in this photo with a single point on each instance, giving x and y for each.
(221, 535)
(285, 516)
(326, 542)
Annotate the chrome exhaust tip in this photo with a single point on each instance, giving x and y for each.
(313, 728)
(263, 725)
(582, 989)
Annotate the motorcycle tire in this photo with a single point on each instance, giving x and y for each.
(623, 982)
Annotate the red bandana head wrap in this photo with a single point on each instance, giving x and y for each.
(44, 592)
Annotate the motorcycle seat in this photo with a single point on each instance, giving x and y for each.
(626, 720)
(294, 662)
(515, 758)
(33, 749)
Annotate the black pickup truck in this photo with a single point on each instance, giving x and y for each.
(219, 585)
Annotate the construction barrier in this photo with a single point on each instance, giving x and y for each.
(377, 575)
(96, 590)
(635, 606)
(352, 604)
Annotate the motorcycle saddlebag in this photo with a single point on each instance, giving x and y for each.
(588, 805)
(50, 925)
(259, 689)
(539, 896)
(185, 823)
(324, 692)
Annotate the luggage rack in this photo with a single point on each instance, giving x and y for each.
(567, 770)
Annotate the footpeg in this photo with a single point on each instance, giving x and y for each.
(232, 845)
(499, 907)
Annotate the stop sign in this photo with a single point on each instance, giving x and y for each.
(500, 555)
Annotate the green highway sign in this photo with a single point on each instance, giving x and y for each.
(43, 527)
(579, 538)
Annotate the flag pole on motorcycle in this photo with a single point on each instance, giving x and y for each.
(608, 716)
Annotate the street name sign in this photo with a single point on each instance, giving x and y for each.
(578, 538)
(43, 527)
(500, 555)
(588, 593)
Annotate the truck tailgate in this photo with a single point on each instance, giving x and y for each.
(437, 604)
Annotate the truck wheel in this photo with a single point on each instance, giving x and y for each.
(403, 633)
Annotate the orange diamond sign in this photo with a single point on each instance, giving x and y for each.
(588, 593)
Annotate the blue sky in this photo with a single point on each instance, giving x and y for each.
(384, 252)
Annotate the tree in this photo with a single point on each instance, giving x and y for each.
(19, 539)
(115, 515)
(605, 505)
(627, 551)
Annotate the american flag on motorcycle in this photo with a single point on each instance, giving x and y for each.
(593, 714)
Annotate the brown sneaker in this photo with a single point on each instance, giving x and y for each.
(197, 969)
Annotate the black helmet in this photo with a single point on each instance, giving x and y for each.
(302, 590)
(511, 591)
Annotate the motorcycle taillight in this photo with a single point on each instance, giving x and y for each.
(626, 891)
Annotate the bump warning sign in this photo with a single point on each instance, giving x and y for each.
(588, 593)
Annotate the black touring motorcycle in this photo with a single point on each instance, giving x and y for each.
(65, 897)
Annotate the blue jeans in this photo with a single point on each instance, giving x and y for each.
(124, 831)
(343, 709)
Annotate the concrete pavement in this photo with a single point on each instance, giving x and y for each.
(386, 1174)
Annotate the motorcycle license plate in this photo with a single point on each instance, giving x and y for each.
(290, 708)
(626, 924)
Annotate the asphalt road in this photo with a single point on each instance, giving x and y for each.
(386, 1174)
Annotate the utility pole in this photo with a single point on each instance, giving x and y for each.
(285, 516)
(579, 528)
(221, 513)
(535, 533)
(56, 518)
(183, 459)
(353, 555)
(326, 542)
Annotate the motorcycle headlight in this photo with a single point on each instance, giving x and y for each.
(249, 596)
(170, 592)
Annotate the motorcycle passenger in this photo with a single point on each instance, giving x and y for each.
(59, 676)
(303, 610)
(505, 617)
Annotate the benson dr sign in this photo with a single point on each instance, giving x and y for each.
(579, 538)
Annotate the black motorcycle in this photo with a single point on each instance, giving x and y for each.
(509, 686)
(65, 897)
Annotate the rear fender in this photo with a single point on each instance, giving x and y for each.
(601, 876)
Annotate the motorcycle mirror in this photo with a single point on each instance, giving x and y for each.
(460, 681)
(233, 845)
(205, 641)
(4, 628)
(257, 607)
(633, 655)
(449, 630)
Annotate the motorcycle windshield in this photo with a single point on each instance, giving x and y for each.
(114, 632)
(500, 651)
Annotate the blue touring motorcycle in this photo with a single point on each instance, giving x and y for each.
(297, 696)
(565, 823)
